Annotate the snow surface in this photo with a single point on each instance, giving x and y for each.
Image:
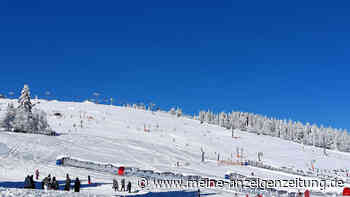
(112, 134)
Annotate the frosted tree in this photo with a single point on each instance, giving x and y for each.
(178, 112)
(23, 118)
(9, 117)
(24, 100)
(172, 111)
(327, 138)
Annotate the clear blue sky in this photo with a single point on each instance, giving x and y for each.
(287, 59)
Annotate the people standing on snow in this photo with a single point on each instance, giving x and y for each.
(54, 184)
(115, 185)
(123, 185)
(129, 187)
(67, 185)
(77, 185)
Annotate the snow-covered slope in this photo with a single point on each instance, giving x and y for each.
(112, 134)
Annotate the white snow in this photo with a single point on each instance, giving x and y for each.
(111, 134)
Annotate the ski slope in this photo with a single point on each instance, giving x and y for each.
(112, 134)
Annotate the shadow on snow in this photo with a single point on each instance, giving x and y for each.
(20, 184)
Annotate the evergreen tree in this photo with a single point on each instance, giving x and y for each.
(24, 100)
(23, 118)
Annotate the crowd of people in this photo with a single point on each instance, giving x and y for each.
(49, 183)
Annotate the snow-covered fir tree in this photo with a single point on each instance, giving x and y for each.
(178, 112)
(24, 118)
(172, 111)
(24, 100)
(9, 117)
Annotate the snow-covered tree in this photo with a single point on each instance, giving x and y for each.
(327, 138)
(23, 118)
(178, 112)
(172, 111)
(24, 100)
(9, 117)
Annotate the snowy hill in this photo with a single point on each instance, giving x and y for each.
(111, 134)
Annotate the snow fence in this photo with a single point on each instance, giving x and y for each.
(101, 167)
(120, 170)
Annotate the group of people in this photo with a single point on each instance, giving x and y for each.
(49, 183)
(52, 184)
(122, 183)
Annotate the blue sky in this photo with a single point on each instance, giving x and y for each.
(277, 58)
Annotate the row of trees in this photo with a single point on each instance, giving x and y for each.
(307, 134)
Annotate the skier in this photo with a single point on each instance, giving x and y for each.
(77, 185)
(37, 174)
(129, 187)
(115, 185)
(67, 185)
(54, 184)
(123, 185)
(89, 179)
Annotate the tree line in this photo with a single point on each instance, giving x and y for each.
(307, 134)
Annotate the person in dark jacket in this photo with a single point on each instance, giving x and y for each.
(45, 183)
(123, 185)
(77, 185)
(27, 184)
(54, 184)
(48, 184)
(115, 185)
(129, 187)
(67, 185)
(32, 183)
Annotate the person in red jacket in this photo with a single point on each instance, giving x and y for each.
(37, 174)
